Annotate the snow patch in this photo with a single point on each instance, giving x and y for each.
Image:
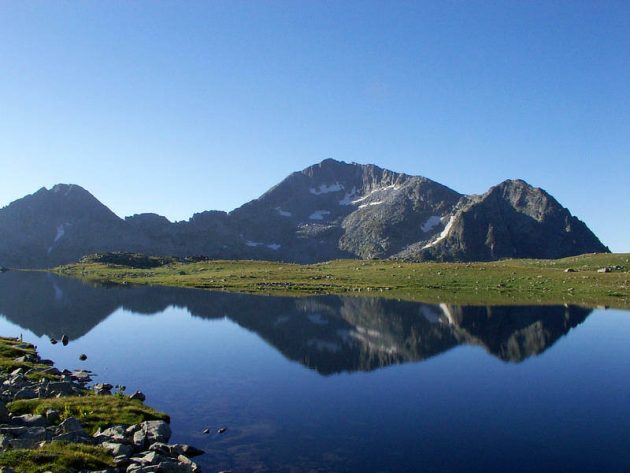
(274, 246)
(326, 188)
(447, 312)
(317, 319)
(319, 214)
(58, 292)
(371, 203)
(282, 319)
(431, 223)
(253, 243)
(347, 199)
(61, 231)
(284, 213)
(430, 313)
(444, 233)
(373, 191)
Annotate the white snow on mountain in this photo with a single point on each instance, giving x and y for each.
(284, 213)
(326, 188)
(319, 214)
(444, 233)
(431, 223)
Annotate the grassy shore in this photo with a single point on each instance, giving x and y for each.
(92, 411)
(504, 282)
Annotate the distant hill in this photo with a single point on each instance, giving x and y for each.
(326, 211)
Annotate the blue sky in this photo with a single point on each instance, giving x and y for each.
(178, 107)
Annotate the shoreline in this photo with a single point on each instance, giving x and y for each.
(589, 280)
(52, 420)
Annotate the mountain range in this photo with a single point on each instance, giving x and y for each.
(327, 211)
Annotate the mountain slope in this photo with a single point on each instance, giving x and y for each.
(511, 220)
(53, 226)
(326, 211)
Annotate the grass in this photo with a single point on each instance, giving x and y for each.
(92, 411)
(57, 457)
(516, 281)
(10, 349)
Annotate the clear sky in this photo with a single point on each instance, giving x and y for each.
(177, 107)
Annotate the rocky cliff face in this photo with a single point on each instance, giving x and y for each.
(330, 210)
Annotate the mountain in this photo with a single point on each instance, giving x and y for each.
(326, 211)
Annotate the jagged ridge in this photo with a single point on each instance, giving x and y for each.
(329, 210)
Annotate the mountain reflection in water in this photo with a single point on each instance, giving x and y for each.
(329, 334)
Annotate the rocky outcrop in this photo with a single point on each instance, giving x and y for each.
(511, 220)
(137, 448)
(326, 211)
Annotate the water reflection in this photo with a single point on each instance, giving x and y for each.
(329, 334)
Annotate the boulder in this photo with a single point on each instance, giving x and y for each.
(30, 420)
(139, 395)
(118, 449)
(156, 431)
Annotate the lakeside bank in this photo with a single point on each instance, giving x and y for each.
(57, 421)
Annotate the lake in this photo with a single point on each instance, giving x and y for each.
(347, 384)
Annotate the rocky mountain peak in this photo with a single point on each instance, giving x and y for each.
(329, 210)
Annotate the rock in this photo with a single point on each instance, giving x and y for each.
(175, 467)
(176, 450)
(63, 387)
(206, 431)
(137, 468)
(82, 357)
(139, 439)
(82, 376)
(26, 359)
(189, 463)
(139, 395)
(25, 393)
(24, 443)
(4, 413)
(156, 431)
(30, 420)
(118, 449)
(115, 433)
(52, 371)
(13, 431)
(64, 339)
(53, 340)
(121, 460)
(221, 430)
(603, 270)
(569, 270)
(53, 416)
(103, 389)
(70, 425)
(75, 437)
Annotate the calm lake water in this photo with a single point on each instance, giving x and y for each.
(342, 384)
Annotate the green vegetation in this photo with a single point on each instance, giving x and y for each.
(503, 282)
(57, 457)
(91, 410)
(12, 350)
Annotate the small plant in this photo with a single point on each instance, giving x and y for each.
(120, 391)
(67, 412)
